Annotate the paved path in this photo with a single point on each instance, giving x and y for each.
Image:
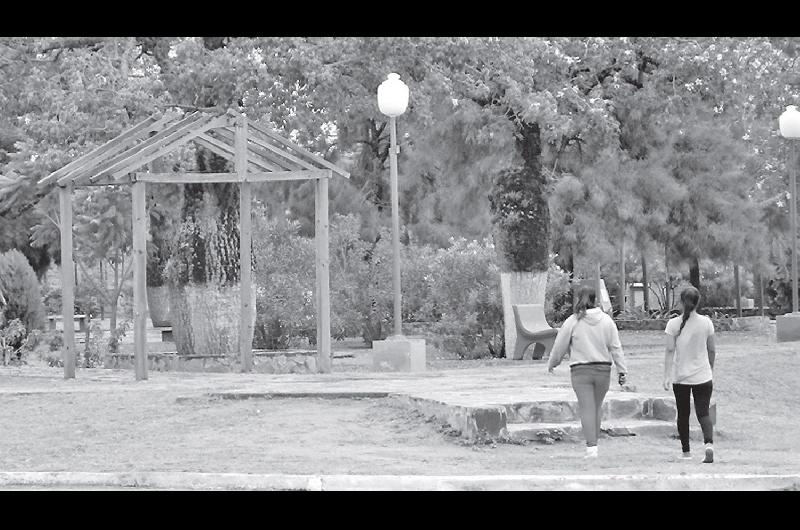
(245, 481)
(526, 382)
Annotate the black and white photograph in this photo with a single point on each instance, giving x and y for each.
(399, 263)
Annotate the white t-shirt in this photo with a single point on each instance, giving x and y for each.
(690, 365)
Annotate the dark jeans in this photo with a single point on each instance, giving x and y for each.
(590, 383)
(702, 400)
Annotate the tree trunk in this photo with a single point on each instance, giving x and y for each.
(114, 299)
(622, 277)
(522, 244)
(571, 265)
(694, 272)
(103, 283)
(666, 279)
(645, 286)
(738, 289)
(519, 288)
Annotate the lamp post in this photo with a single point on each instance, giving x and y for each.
(392, 101)
(397, 353)
(788, 328)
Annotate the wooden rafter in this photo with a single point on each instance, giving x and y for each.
(252, 149)
(140, 155)
(163, 147)
(262, 142)
(110, 147)
(99, 166)
(318, 159)
(222, 150)
(223, 143)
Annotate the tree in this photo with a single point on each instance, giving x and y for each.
(60, 97)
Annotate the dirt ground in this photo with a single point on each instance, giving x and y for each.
(115, 429)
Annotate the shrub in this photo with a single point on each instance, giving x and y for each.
(558, 295)
(466, 298)
(361, 280)
(284, 278)
(12, 337)
(22, 293)
(94, 350)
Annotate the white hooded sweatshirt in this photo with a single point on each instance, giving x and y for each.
(592, 339)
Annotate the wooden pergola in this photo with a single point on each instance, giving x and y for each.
(259, 155)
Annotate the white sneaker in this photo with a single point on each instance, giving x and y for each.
(686, 456)
(709, 454)
(591, 452)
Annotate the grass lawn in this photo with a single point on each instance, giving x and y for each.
(116, 429)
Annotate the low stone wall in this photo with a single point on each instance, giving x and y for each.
(650, 324)
(755, 323)
(289, 362)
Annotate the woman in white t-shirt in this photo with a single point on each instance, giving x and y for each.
(688, 366)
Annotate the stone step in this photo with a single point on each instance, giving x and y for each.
(613, 408)
(551, 432)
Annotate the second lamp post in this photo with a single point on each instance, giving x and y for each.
(392, 101)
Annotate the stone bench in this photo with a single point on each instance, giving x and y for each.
(532, 328)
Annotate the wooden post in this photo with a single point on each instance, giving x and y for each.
(245, 238)
(139, 280)
(67, 281)
(322, 275)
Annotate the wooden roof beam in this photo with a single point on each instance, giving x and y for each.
(316, 158)
(156, 151)
(278, 150)
(207, 178)
(91, 172)
(217, 143)
(110, 147)
(283, 164)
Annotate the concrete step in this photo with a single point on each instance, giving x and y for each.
(571, 431)
(613, 408)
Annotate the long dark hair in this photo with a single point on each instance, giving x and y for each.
(690, 297)
(586, 297)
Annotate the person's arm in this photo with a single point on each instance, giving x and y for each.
(669, 357)
(615, 347)
(712, 350)
(561, 344)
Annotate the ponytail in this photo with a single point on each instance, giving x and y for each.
(586, 300)
(690, 297)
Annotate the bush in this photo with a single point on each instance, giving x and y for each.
(95, 348)
(558, 295)
(466, 298)
(284, 278)
(22, 293)
(361, 280)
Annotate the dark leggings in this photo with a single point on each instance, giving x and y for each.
(702, 400)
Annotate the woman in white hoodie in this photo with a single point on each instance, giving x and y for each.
(592, 340)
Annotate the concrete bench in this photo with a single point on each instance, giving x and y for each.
(532, 328)
(80, 319)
